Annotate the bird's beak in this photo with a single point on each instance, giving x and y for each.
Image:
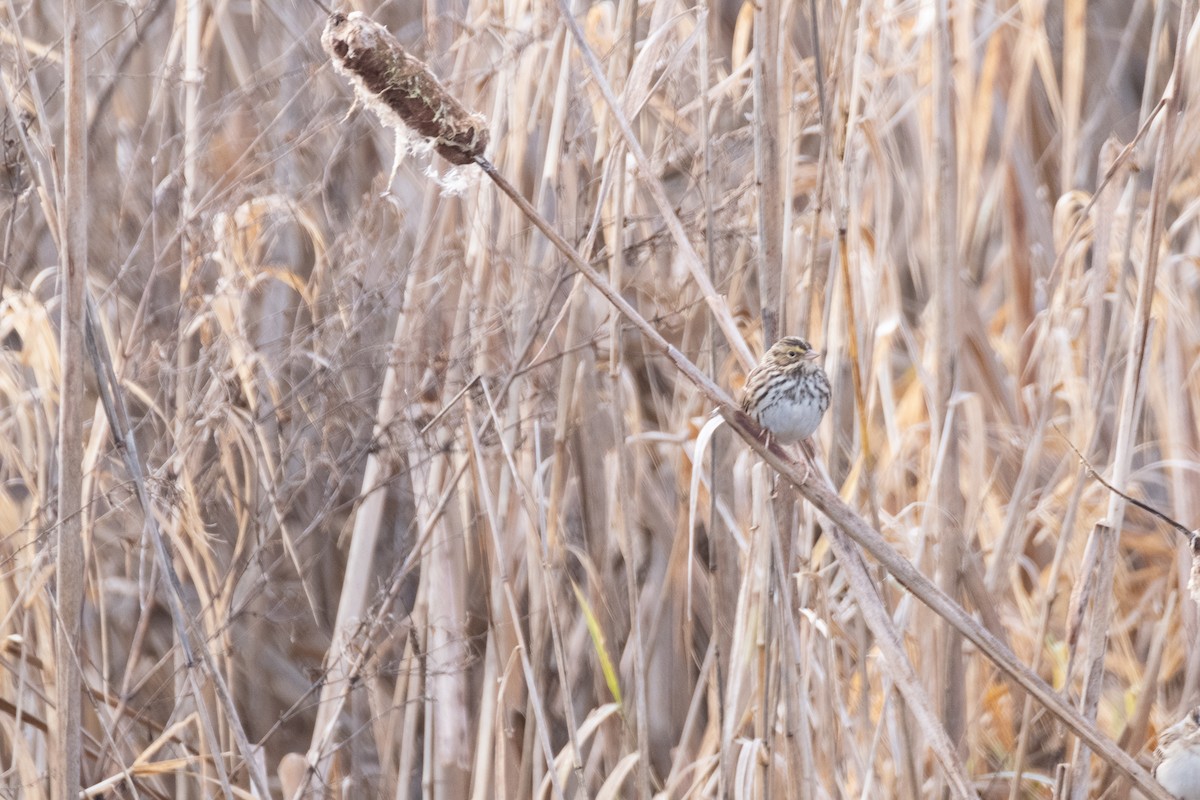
(813, 355)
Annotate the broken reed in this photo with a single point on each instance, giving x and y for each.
(400, 88)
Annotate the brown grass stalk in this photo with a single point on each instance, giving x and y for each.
(67, 754)
(767, 150)
(947, 499)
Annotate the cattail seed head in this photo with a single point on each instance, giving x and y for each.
(400, 88)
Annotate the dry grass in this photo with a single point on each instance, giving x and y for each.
(426, 493)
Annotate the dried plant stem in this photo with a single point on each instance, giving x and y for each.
(234, 156)
(722, 551)
(616, 465)
(850, 121)
(122, 430)
(617, 475)
(948, 500)
(760, 623)
(787, 655)
(1103, 541)
(66, 757)
(1074, 60)
(817, 268)
(183, 456)
(551, 550)
(351, 659)
(767, 167)
(103, 97)
(1134, 734)
(1132, 394)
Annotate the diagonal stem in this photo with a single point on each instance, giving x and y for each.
(823, 496)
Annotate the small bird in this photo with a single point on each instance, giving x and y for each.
(788, 392)
(1177, 757)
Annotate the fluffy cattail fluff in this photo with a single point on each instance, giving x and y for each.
(400, 88)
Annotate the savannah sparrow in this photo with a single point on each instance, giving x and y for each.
(1177, 757)
(787, 393)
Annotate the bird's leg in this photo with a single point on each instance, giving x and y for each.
(807, 466)
(807, 457)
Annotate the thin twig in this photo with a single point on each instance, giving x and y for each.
(1091, 471)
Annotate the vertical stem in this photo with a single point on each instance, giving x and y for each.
(948, 498)
(73, 217)
(817, 268)
(722, 551)
(185, 354)
(1073, 65)
(619, 521)
(849, 120)
(766, 167)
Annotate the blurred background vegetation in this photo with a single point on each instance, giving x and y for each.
(315, 355)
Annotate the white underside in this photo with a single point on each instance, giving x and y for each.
(1179, 774)
(791, 422)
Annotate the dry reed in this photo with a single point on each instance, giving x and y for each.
(425, 490)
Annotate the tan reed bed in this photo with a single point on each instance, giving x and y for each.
(425, 488)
